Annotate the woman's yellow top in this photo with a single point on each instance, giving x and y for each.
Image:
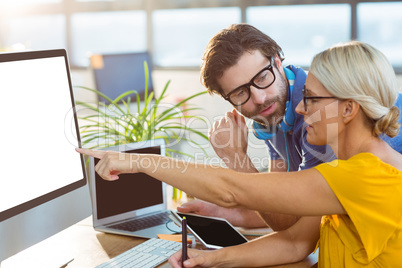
(369, 235)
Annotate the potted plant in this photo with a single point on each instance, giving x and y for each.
(113, 124)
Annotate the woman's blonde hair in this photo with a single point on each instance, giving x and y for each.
(358, 71)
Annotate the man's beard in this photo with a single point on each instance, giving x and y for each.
(272, 120)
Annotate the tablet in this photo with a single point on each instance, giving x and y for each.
(210, 231)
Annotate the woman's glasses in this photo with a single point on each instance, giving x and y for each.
(307, 98)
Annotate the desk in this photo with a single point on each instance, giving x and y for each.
(90, 248)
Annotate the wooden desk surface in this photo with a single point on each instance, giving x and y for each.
(89, 248)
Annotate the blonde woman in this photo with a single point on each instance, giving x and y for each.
(351, 207)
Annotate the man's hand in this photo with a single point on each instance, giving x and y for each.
(200, 207)
(229, 138)
(196, 258)
(236, 216)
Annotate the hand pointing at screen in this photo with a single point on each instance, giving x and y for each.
(112, 164)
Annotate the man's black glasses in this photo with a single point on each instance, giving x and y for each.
(306, 98)
(262, 80)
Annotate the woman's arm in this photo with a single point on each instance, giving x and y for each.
(299, 193)
(291, 245)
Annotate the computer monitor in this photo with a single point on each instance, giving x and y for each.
(43, 187)
(117, 73)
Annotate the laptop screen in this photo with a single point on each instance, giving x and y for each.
(129, 193)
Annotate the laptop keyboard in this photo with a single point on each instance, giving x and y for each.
(149, 254)
(143, 223)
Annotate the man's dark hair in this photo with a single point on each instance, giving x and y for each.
(226, 47)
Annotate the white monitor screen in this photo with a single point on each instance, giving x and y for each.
(37, 123)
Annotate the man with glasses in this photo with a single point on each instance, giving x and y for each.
(244, 66)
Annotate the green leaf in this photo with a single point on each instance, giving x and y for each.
(114, 124)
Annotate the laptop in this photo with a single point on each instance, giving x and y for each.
(133, 205)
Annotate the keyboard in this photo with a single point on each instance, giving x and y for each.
(142, 223)
(149, 254)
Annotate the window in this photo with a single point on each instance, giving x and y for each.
(303, 31)
(380, 25)
(107, 32)
(36, 32)
(176, 32)
(181, 35)
(14, 3)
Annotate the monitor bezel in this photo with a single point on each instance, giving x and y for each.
(41, 54)
(29, 223)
